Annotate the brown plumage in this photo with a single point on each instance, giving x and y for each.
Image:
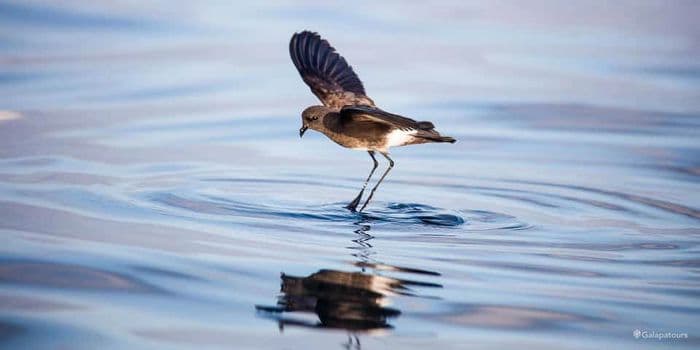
(348, 116)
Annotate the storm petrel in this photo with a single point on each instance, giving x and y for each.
(348, 116)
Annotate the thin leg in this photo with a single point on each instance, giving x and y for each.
(391, 165)
(353, 205)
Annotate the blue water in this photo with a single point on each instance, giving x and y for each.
(154, 192)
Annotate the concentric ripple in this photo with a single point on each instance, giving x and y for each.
(217, 208)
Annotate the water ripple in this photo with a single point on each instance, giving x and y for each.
(56, 275)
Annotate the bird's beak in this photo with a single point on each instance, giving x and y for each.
(302, 130)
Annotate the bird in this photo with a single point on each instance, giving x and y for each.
(347, 115)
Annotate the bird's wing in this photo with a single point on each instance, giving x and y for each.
(379, 116)
(327, 73)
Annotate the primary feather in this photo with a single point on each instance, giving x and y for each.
(327, 73)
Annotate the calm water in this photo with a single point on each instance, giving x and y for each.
(154, 192)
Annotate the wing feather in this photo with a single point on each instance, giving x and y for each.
(327, 73)
(381, 116)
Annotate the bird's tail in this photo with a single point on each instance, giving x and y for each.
(426, 131)
(437, 138)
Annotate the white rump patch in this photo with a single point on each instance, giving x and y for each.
(399, 137)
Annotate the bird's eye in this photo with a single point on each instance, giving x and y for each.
(314, 118)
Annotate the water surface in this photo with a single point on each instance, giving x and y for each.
(154, 192)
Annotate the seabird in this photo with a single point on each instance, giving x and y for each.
(348, 116)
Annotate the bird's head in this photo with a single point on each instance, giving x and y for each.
(312, 118)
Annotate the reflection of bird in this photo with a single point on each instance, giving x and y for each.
(345, 300)
(348, 116)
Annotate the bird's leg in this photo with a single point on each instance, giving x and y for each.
(353, 205)
(391, 165)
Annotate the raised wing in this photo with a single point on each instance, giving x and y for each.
(327, 73)
(380, 116)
